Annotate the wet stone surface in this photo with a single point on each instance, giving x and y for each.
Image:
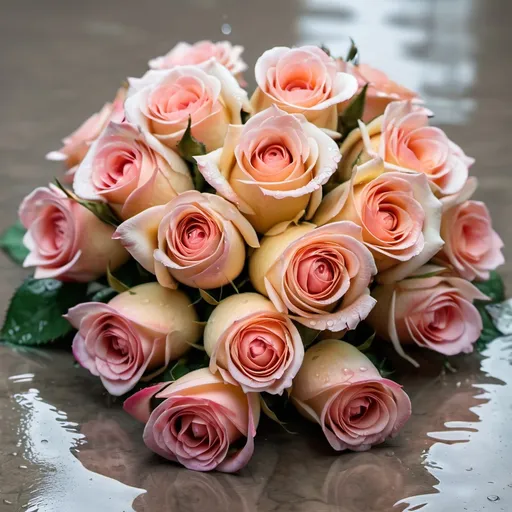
(65, 445)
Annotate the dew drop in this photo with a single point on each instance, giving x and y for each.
(346, 371)
(493, 497)
(313, 322)
(469, 469)
(226, 29)
(363, 369)
(23, 467)
(317, 375)
(390, 453)
(44, 441)
(330, 323)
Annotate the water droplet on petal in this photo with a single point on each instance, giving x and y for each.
(363, 369)
(493, 497)
(313, 323)
(330, 323)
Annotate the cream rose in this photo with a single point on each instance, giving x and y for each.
(136, 334)
(472, 247)
(199, 420)
(252, 344)
(433, 312)
(403, 138)
(399, 215)
(76, 145)
(302, 80)
(230, 56)
(339, 388)
(162, 102)
(381, 89)
(272, 168)
(319, 275)
(196, 239)
(123, 170)
(66, 241)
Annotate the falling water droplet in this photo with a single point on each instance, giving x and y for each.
(493, 497)
(226, 29)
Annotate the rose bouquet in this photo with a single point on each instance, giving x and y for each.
(216, 255)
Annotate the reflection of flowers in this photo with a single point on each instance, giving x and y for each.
(192, 491)
(365, 481)
(109, 450)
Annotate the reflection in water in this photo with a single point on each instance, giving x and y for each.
(408, 40)
(64, 485)
(471, 463)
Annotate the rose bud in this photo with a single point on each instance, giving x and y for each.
(66, 241)
(302, 80)
(381, 89)
(135, 335)
(319, 275)
(198, 421)
(272, 168)
(399, 215)
(196, 239)
(184, 54)
(77, 144)
(432, 312)
(252, 344)
(403, 138)
(123, 170)
(339, 388)
(161, 103)
(472, 247)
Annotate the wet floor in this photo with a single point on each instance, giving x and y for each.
(65, 446)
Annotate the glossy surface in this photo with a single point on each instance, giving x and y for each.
(64, 445)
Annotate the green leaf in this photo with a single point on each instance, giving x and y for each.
(308, 336)
(489, 332)
(103, 211)
(188, 147)
(272, 415)
(35, 313)
(353, 53)
(115, 283)
(494, 287)
(325, 49)
(367, 344)
(103, 295)
(347, 121)
(11, 242)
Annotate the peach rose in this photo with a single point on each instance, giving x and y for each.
(272, 168)
(252, 344)
(302, 80)
(77, 144)
(197, 239)
(472, 247)
(381, 89)
(230, 56)
(123, 170)
(339, 388)
(136, 334)
(403, 138)
(319, 275)
(66, 241)
(399, 215)
(162, 102)
(198, 421)
(433, 312)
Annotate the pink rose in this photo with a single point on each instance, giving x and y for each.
(66, 241)
(302, 80)
(252, 344)
(403, 138)
(339, 388)
(472, 247)
(272, 168)
(77, 144)
(432, 312)
(319, 275)
(399, 215)
(136, 334)
(189, 54)
(162, 102)
(381, 89)
(197, 239)
(198, 421)
(123, 170)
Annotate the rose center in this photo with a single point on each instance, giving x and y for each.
(315, 274)
(387, 220)
(114, 167)
(298, 84)
(199, 430)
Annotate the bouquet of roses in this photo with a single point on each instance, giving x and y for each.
(213, 251)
